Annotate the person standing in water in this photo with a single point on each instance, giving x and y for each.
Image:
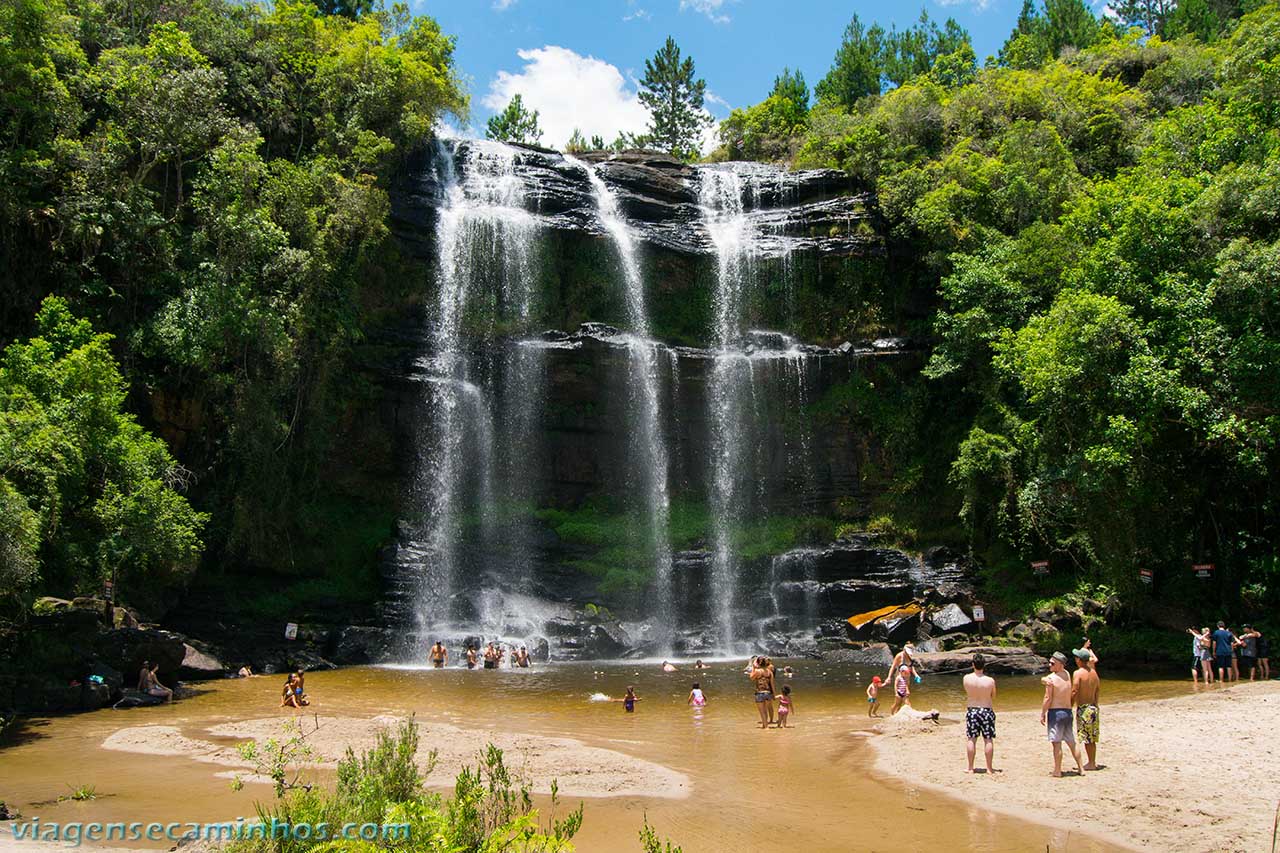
(490, 656)
(629, 700)
(762, 679)
(1223, 643)
(906, 658)
(471, 657)
(696, 697)
(980, 714)
(901, 689)
(1085, 687)
(439, 655)
(1055, 712)
(1201, 655)
(786, 707)
(873, 697)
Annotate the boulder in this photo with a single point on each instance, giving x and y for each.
(94, 696)
(540, 651)
(125, 649)
(357, 644)
(862, 625)
(113, 678)
(200, 666)
(875, 655)
(951, 618)
(1001, 660)
(898, 628)
(1033, 631)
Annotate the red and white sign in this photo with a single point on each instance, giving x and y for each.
(979, 615)
(1040, 567)
(1146, 575)
(291, 631)
(1203, 570)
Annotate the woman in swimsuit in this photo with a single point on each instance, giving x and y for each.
(762, 678)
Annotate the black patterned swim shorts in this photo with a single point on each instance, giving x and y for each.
(979, 722)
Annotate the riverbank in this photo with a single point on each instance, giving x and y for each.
(578, 769)
(1191, 773)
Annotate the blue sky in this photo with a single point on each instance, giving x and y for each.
(577, 61)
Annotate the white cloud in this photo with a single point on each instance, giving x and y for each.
(503, 5)
(712, 98)
(710, 8)
(978, 5)
(637, 15)
(570, 91)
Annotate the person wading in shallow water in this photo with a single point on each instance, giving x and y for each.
(762, 680)
(471, 657)
(439, 655)
(1055, 712)
(1085, 687)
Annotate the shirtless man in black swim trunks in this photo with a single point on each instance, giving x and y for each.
(439, 655)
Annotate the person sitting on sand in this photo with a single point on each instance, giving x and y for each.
(873, 697)
(901, 689)
(979, 714)
(157, 689)
(696, 697)
(762, 679)
(786, 706)
(1085, 687)
(667, 666)
(1055, 712)
(439, 655)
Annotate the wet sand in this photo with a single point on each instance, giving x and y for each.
(443, 751)
(813, 787)
(1192, 773)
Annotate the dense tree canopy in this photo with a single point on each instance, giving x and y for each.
(1097, 211)
(206, 181)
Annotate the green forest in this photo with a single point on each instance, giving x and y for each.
(195, 252)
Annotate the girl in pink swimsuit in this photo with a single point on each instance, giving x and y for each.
(785, 707)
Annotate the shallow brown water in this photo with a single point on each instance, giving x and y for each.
(804, 789)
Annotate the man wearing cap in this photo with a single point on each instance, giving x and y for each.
(1055, 712)
(1084, 695)
(1249, 650)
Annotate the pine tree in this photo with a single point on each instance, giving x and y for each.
(1150, 15)
(577, 143)
(515, 124)
(858, 65)
(791, 86)
(674, 98)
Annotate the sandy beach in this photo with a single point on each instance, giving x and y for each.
(1194, 773)
(579, 770)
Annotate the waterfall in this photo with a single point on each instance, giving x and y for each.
(720, 196)
(485, 273)
(649, 459)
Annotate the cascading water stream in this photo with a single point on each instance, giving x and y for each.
(485, 240)
(649, 459)
(720, 197)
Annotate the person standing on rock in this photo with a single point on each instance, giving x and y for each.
(1085, 687)
(980, 715)
(439, 655)
(1055, 712)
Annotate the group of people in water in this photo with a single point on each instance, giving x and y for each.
(1231, 655)
(492, 657)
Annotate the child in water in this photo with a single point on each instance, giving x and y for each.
(873, 697)
(785, 706)
(696, 699)
(629, 701)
